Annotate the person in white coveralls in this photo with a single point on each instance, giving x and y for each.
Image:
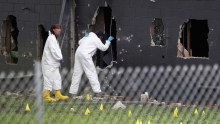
(51, 60)
(88, 46)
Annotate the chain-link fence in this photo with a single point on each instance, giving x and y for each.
(135, 95)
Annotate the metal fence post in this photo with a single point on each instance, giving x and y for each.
(38, 91)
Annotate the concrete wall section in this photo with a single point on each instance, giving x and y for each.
(133, 25)
(29, 14)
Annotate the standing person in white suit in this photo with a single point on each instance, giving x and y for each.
(88, 45)
(51, 60)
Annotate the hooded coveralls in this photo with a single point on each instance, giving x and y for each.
(84, 63)
(51, 63)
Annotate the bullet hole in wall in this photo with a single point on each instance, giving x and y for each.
(9, 40)
(192, 40)
(157, 32)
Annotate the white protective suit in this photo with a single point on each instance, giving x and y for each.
(84, 63)
(50, 64)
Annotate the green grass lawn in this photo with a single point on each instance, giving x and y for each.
(12, 111)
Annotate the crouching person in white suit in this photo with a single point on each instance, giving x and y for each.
(51, 60)
(88, 45)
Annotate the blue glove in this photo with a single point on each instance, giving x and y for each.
(86, 34)
(61, 61)
(110, 38)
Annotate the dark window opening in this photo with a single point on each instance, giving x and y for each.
(157, 32)
(113, 43)
(192, 40)
(41, 38)
(103, 22)
(9, 42)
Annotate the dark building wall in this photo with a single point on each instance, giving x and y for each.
(29, 14)
(133, 18)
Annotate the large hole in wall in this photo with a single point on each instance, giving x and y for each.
(192, 40)
(41, 38)
(157, 32)
(104, 22)
(9, 40)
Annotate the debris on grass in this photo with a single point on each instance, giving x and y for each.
(119, 105)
